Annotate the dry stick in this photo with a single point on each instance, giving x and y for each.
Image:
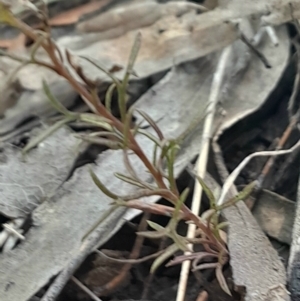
(271, 160)
(232, 177)
(202, 161)
(293, 116)
(272, 35)
(85, 289)
(283, 168)
(259, 54)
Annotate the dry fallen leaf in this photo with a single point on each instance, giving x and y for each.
(73, 15)
(275, 215)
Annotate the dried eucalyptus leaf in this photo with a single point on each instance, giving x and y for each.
(26, 184)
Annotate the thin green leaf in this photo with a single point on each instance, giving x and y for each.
(129, 70)
(102, 141)
(208, 214)
(128, 165)
(49, 131)
(181, 201)
(154, 160)
(55, 103)
(103, 69)
(167, 148)
(180, 242)
(108, 96)
(150, 136)
(170, 165)
(36, 46)
(208, 192)
(95, 120)
(127, 123)
(102, 187)
(221, 279)
(152, 124)
(169, 251)
(145, 193)
(122, 102)
(102, 134)
(244, 194)
(222, 225)
(130, 180)
(133, 55)
(156, 226)
(152, 234)
(137, 128)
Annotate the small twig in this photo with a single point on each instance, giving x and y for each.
(283, 169)
(13, 231)
(271, 160)
(296, 86)
(85, 289)
(8, 241)
(269, 30)
(202, 161)
(272, 35)
(255, 51)
(232, 177)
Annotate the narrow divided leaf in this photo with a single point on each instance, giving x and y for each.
(127, 123)
(208, 192)
(241, 196)
(108, 96)
(54, 102)
(152, 124)
(49, 131)
(130, 180)
(103, 69)
(156, 226)
(181, 201)
(152, 234)
(133, 55)
(96, 120)
(150, 136)
(101, 186)
(180, 242)
(221, 279)
(102, 141)
(169, 251)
